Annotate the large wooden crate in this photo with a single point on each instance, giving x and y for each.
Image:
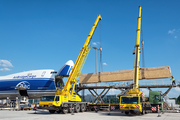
(126, 75)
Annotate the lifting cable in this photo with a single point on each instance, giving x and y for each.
(101, 64)
(142, 42)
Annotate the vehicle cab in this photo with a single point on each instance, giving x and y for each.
(47, 102)
(130, 103)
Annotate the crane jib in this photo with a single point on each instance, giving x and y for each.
(76, 70)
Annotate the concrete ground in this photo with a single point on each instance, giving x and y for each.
(102, 115)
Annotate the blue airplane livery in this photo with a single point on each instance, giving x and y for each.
(34, 83)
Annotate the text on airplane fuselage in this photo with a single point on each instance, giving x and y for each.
(24, 77)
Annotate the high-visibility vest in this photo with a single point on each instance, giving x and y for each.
(173, 79)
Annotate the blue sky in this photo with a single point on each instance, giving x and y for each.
(44, 34)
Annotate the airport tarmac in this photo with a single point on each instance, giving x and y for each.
(102, 115)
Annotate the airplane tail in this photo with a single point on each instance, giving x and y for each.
(66, 69)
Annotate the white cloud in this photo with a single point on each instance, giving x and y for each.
(171, 31)
(94, 43)
(5, 63)
(104, 63)
(177, 89)
(5, 69)
(114, 92)
(175, 36)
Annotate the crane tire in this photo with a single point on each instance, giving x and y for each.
(77, 108)
(83, 108)
(65, 110)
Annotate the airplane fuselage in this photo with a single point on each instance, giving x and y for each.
(36, 82)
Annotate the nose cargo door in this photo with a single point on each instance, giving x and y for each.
(59, 82)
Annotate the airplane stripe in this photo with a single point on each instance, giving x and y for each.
(52, 79)
(29, 92)
(69, 70)
(16, 91)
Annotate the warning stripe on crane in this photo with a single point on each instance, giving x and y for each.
(121, 106)
(137, 106)
(112, 107)
(153, 108)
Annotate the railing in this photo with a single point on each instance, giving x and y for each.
(143, 82)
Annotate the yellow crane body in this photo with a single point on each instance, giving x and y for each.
(67, 97)
(132, 101)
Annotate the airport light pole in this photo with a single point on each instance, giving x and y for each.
(96, 56)
(96, 60)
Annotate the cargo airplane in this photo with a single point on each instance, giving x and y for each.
(34, 83)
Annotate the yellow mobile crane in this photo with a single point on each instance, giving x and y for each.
(134, 100)
(66, 97)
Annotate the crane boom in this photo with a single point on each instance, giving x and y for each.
(137, 54)
(76, 70)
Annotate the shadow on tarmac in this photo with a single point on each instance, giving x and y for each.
(103, 113)
(44, 112)
(118, 114)
(40, 112)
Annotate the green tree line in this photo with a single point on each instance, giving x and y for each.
(177, 100)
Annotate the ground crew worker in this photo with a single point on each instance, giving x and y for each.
(173, 80)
